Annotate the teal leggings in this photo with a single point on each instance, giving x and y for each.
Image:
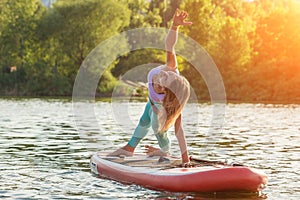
(147, 119)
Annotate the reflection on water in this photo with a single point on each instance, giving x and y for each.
(44, 156)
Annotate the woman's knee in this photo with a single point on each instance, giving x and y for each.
(144, 123)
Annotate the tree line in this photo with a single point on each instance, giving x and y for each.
(255, 44)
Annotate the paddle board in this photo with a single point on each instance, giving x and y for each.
(166, 174)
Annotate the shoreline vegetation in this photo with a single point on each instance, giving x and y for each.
(144, 99)
(254, 44)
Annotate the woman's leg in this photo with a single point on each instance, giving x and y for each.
(162, 138)
(142, 128)
(163, 142)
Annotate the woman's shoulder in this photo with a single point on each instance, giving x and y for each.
(158, 68)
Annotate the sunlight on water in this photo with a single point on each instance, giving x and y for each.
(43, 156)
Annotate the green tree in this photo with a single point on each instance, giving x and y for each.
(208, 21)
(234, 56)
(143, 14)
(82, 26)
(275, 69)
(18, 35)
(18, 39)
(223, 29)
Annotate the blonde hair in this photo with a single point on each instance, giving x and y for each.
(176, 96)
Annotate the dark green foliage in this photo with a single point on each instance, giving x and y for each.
(255, 45)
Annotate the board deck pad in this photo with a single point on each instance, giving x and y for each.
(144, 161)
(160, 162)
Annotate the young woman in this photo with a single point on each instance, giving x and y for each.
(168, 93)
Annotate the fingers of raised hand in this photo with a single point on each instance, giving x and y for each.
(181, 18)
(183, 15)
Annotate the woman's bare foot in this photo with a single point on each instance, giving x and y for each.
(126, 151)
(152, 151)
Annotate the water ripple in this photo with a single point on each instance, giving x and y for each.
(42, 155)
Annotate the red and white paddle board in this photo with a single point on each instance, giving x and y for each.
(166, 174)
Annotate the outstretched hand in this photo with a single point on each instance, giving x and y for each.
(179, 18)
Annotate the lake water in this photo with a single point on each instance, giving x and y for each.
(43, 154)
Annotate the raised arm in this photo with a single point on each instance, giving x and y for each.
(171, 39)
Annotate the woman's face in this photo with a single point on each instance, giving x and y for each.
(157, 86)
(166, 78)
(162, 80)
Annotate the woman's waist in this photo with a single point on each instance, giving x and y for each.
(154, 102)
